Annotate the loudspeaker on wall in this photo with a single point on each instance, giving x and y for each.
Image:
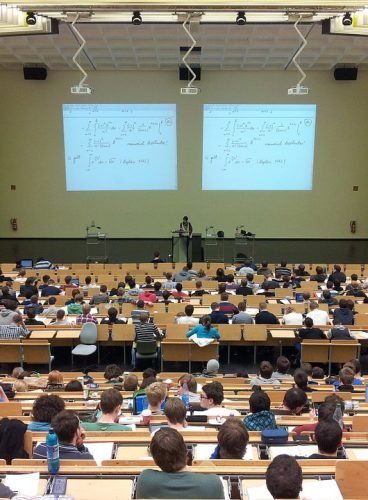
(34, 73)
(346, 73)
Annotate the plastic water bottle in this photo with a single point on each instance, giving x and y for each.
(185, 395)
(337, 416)
(366, 393)
(52, 447)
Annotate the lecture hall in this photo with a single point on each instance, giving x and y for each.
(151, 344)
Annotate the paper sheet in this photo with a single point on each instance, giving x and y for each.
(312, 490)
(204, 451)
(293, 451)
(100, 451)
(24, 484)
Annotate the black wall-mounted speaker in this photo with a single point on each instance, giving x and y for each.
(34, 73)
(346, 73)
(185, 75)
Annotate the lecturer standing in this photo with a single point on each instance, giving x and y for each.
(186, 227)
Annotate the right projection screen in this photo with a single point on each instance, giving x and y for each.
(258, 146)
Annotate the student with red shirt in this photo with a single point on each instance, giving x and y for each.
(325, 412)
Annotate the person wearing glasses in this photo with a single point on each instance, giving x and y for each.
(212, 397)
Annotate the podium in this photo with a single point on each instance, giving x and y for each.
(242, 244)
(96, 245)
(213, 248)
(181, 246)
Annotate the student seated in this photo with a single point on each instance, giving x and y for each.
(232, 440)
(307, 367)
(175, 413)
(112, 318)
(261, 416)
(110, 404)
(212, 368)
(44, 409)
(326, 411)
(73, 386)
(346, 377)
(282, 368)
(328, 435)
(284, 477)
(31, 318)
(191, 382)
(301, 380)
(354, 365)
(55, 381)
(130, 382)
(113, 374)
(144, 332)
(205, 330)
(318, 373)
(265, 376)
(339, 331)
(76, 307)
(295, 401)
(212, 397)
(174, 480)
(188, 319)
(67, 427)
(156, 395)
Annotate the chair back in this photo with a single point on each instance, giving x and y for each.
(146, 347)
(88, 333)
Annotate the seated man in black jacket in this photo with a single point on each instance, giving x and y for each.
(310, 331)
(339, 331)
(217, 316)
(263, 317)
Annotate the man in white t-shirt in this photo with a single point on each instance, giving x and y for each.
(318, 316)
(188, 319)
(212, 396)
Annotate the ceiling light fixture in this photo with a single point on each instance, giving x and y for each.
(31, 19)
(347, 19)
(136, 18)
(240, 18)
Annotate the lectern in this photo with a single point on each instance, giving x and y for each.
(243, 246)
(181, 246)
(96, 245)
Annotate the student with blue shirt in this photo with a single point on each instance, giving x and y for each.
(44, 409)
(205, 330)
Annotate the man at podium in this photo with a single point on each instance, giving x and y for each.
(181, 239)
(186, 226)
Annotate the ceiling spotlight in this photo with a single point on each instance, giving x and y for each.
(347, 20)
(136, 18)
(240, 18)
(31, 19)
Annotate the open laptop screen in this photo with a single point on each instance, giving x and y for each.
(26, 263)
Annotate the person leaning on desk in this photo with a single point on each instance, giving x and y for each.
(205, 330)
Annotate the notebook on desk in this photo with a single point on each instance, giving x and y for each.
(204, 451)
(313, 489)
(293, 451)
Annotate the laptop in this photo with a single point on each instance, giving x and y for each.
(26, 263)
(299, 297)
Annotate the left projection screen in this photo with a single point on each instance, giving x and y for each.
(113, 147)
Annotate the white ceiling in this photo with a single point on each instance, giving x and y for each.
(156, 46)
